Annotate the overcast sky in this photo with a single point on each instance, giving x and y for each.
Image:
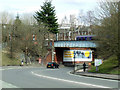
(63, 7)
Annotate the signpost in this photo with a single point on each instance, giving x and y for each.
(98, 62)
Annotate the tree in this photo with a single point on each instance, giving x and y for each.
(47, 15)
(5, 17)
(26, 31)
(107, 32)
(38, 46)
(18, 36)
(14, 36)
(119, 29)
(5, 21)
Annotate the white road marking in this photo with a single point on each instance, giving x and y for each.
(1, 69)
(52, 69)
(93, 77)
(17, 68)
(9, 68)
(6, 85)
(99, 86)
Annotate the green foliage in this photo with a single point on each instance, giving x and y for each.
(109, 66)
(47, 15)
(93, 69)
(92, 63)
(107, 32)
(115, 71)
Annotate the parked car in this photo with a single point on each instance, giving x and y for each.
(52, 65)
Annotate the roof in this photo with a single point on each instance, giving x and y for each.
(87, 44)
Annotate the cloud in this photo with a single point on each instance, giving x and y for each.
(79, 1)
(63, 7)
(21, 5)
(67, 14)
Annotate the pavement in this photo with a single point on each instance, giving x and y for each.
(97, 75)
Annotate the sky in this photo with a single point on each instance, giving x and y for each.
(63, 7)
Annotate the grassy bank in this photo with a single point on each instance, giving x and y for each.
(7, 61)
(109, 66)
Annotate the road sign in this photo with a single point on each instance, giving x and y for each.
(98, 62)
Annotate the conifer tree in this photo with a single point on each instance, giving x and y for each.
(47, 16)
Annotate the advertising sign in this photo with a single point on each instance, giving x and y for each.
(80, 55)
(98, 62)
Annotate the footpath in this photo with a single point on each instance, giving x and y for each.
(96, 75)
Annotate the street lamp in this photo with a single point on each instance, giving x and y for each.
(74, 60)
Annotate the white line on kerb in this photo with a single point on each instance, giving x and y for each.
(69, 80)
(92, 77)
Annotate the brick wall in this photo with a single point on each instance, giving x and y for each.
(80, 49)
(59, 54)
(58, 57)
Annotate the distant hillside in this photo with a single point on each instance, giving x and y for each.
(109, 66)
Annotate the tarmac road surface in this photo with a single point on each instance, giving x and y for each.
(41, 77)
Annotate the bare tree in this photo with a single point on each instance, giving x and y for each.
(18, 35)
(5, 17)
(28, 19)
(107, 31)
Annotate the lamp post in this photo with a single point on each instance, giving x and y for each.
(74, 60)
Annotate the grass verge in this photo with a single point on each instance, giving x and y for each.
(7, 61)
(109, 66)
